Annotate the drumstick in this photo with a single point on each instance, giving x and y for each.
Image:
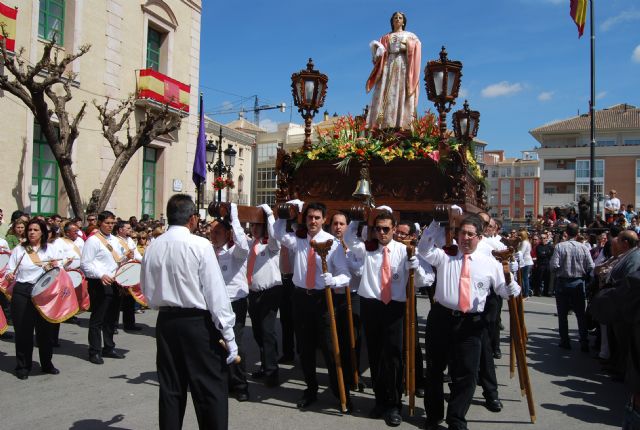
(226, 348)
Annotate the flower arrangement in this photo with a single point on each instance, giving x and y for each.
(350, 139)
(220, 183)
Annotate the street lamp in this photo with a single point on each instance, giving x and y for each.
(442, 81)
(220, 167)
(309, 87)
(465, 126)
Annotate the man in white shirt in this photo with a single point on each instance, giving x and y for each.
(232, 249)
(455, 323)
(194, 331)
(265, 291)
(309, 303)
(128, 304)
(383, 294)
(101, 256)
(611, 205)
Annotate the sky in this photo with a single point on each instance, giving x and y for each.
(523, 64)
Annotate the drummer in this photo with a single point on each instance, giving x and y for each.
(128, 305)
(101, 257)
(28, 262)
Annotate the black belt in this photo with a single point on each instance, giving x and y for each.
(454, 313)
(564, 278)
(183, 311)
(310, 291)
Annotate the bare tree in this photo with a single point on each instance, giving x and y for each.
(31, 84)
(156, 122)
(45, 88)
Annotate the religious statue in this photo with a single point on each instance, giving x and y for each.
(395, 76)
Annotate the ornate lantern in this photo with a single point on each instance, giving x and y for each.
(309, 88)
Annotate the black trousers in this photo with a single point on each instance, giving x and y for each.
(570, 295)
(383, 329)
(238, 372)
(25, 319)
(286, 316)
(487, 371)
(313, 331)
(454, 341)
(128, 307)
(105, 310)
(543, 274)
(190, 356)
(342, 325)
(263, 309)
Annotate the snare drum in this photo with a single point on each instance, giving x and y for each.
(80, 284)
(128, 274)
(54, 296)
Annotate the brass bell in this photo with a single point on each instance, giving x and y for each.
(363, 189)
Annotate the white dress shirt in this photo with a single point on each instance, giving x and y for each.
(485, 272)
(613, 204)
(425, 276)
(4, 245)
(371, 272)
(179, 269)
(266, 268)
(132, 247)
(66, 250)
(27, 271)
(233, 263)
(336, 259)
(97, 260)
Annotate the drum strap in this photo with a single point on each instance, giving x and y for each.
(107, 245)
(33, 255)
(123, 242)
(75, 247)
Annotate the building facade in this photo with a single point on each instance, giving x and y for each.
(513, 186)
(135, 44)
(564, 155)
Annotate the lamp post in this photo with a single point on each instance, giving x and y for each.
(442, 81)
(309, 87)
(220, 167)
(465, 126)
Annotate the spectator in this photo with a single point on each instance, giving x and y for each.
(16, 233)
(573, 216)
(611, 205)
(629, 213)
(583, 211)
(525, 249)
(544, 251)
(92, 221)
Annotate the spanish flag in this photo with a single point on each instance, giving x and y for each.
(156, 86)
(579, 14)
(8, 17)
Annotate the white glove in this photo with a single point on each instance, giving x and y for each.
(417, 226)
(298, 203)
(514, 289)
(232, 348)
(234, 212)
(329, 280)
(513, 266)
(267, 209)
(385, 208)
(457, 210)
(412, 264)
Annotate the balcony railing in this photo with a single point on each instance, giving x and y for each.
(162, 90)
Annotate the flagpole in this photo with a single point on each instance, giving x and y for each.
(592, 115)
(199, 188)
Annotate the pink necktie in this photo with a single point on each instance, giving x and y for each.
(252, 261)
(385, 277)
(311, 268)
(464, 294)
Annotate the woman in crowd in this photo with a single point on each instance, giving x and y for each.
(525, 249)
(28, 262)
(16, 233)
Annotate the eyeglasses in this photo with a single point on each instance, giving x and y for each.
(468, 234)
(380, 229)
(91, 219)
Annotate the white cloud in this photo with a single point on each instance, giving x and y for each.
(545, 96)
(463, 93)
(635, 57)
(500, 89)
(268, 125)
(601, 94)
(625, 16)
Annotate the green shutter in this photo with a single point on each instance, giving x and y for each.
(154, 41)
(44, 177)
(149, 181)
(51, 20)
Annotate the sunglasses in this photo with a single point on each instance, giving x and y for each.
(384, 230)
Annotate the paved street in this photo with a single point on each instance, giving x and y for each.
(569, 389)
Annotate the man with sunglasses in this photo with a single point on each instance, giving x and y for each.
(310, 313)
(455, 323)
(383, 294)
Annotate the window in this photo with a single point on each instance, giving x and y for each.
(582, 177)
(51, 20)
(267, 152)
(505, 192)
(266, 197)
(505, 213)
(240, 152)
(154, 44)
(632, 142)
(505, 172)
(149, 157)
(528, 192)
(606, 143)
(44, 177)
(266, 178)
